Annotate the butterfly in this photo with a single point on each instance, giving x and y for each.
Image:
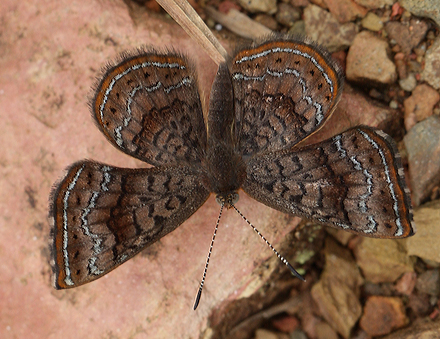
(264, 101)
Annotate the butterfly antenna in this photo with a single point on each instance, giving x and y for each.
(284, 261)
(199, 293)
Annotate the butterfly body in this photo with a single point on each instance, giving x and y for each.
(264, 101)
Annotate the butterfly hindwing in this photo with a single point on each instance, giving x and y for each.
(353, 181)
(104, 215)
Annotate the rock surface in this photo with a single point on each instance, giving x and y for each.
(367, 60)
(382, 315)
(337, 291)
(425, 244)
(322, 27)
(382, 260)
(423, 146)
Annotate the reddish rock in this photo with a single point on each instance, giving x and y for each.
(368, 60)
(286, 324)
(337, 292)
(420, 104)
(382, 315)
(345, 10)
(405, 285)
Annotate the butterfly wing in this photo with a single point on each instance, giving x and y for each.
(104, 215)
(274, 104)
(353, 181)
(148, 106)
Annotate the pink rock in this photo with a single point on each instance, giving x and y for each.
(54, 50)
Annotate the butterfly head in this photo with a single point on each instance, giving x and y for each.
(228, 199)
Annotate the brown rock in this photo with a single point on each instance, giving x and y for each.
(429, 282)
(425, 244)
(382, 260)
(256, 6)
(373, 4)
(420, 304)
(368, 60)
(337, 292)
(431, 72)
(323, 28)
(345, 10)
(422, 143)
(407, 36)
(287, 14)
(420, 104)
(420, 329)
(325, 331)
(382, 315)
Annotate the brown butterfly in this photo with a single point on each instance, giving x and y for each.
(264, 101)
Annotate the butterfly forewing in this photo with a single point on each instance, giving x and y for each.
(352, 181)
(105, 215)
(149, 107)
(282, 94)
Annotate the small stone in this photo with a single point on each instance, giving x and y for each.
(323, 28)
(325, 331)
(298, 334)
(299, 3)
(431, 73)
(425, 8)
(287, 15)
(429, 282)
(298, 28)
(382, 260)
(345, 10)
(374, 4)
(382, 315)
(407, 36)
(419, 304)
(256, 6)
(337, 292)
(405, 285)
(265, 334)
(408, 84)
(420, 104)
(372, 22)
(286, 324)
(267, 21)
(367, 59)
(420, 329)
(422, 143)
(425, 244)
